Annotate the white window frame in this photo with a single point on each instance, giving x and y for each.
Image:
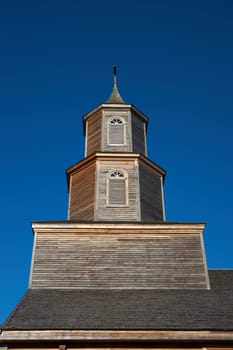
(110, 124)
(120, 178)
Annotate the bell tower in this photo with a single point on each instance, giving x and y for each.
(116, 236)
(116, 181)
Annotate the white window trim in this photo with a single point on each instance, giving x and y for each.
(125, 179)
(124, 131)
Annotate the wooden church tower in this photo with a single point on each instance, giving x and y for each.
(116, 274)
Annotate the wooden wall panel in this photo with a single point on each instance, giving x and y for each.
(82, 192)
(93, 141)
(150, 195)
(87, 260)
(125, 213)
(138, 135)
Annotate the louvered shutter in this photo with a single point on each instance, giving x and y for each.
(116, 134)
(116, 192)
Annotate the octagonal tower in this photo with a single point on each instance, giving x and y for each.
(116, 181)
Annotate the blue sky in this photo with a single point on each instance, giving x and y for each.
(175, 63)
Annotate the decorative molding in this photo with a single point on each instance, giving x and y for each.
(108, 227)
(118, 335)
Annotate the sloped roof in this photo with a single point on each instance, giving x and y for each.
(128, 309)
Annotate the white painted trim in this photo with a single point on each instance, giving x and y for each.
(96, 196)
(117, 335)
(205, 262)
(130, 134)
(145, 139)
(86, 136)
(108, 122)
(138, 191)
(78, 227)
(32, 260)
(163, 203)
(127, 191)
(125, 179)
(102, 131)
(69, 194)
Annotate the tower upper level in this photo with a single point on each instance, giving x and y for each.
(115, 126)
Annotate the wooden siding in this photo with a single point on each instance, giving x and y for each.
(150, 194)
(138, 135)
(82, 192)
(93, 142)
(123, 213)
(105, 129)
(122, 261)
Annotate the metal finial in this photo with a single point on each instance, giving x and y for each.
(114, 75)
(115, 96)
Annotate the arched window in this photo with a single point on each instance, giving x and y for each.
(116, 132)
(117, 188)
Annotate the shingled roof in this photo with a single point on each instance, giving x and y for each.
(128, 309)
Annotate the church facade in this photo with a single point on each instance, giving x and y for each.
(116, 274)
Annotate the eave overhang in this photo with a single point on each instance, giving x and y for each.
(121, 227)
(113, 156)
(203, 337)
(114, 106)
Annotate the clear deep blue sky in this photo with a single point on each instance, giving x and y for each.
(175, 63)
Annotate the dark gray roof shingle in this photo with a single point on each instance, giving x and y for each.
(128, 309)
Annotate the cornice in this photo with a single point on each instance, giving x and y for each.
(112, 156)
(110, 227)
(112, 106)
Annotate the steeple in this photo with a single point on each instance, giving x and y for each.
(115, 96)
(120, 182)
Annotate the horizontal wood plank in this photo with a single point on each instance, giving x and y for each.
(118, 261)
